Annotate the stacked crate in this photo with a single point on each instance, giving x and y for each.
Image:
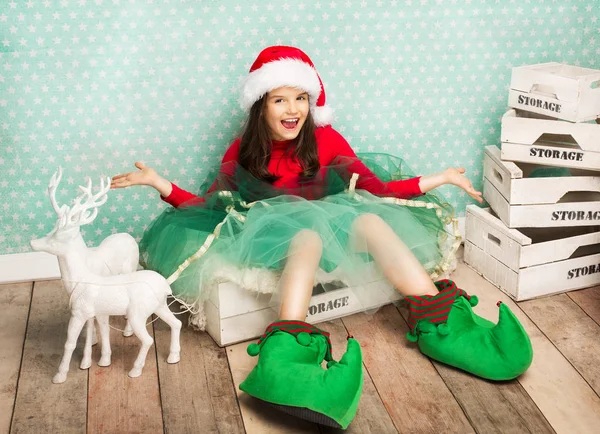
(542, 233)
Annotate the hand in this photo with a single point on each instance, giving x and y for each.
(455, 176)
(144, 176)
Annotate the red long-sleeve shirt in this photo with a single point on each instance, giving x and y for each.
(330, 145)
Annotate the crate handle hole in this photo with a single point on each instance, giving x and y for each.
(498, 175)
(581, 251)
(544, 90)
(595, 84)
(580, 196)
(561, 140)
(495, 240)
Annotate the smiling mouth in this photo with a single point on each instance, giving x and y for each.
(290, 124)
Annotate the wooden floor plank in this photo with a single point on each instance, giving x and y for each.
(571, 330)
(563, 396)
(258, 417)
(117, 403)
(396, 376)
(589, 300)
(411, 389)
(197, 393)
(371, 417)
(15, 299)
(492, 407)
(41, 406)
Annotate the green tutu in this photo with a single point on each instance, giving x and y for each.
(243, 230)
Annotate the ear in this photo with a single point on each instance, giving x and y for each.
(62, 220)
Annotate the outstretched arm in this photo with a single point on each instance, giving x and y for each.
(145, 175)
(337, 146)
(170, 192)
(452, 175)
(404, 189)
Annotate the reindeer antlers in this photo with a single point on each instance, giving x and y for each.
(85, 207)
(80, 213)
(52, 186)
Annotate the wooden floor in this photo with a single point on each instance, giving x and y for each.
(403, 390)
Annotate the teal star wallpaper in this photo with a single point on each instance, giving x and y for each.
(95, 85)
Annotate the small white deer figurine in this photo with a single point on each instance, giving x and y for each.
(137, 294)
(116, 254)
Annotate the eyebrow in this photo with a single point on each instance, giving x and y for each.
(282, 96)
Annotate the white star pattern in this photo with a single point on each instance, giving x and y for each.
(95, 85)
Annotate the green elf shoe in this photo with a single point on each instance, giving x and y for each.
(447, 330)
(289, 374)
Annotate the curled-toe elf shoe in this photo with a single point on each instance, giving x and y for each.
(447, 330)
(290, 377)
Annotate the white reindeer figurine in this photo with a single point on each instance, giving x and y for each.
(116, 254)
(137, 294)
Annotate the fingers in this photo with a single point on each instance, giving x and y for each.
(120, 183)
(121, 176)
(477, 195)
(124, 180)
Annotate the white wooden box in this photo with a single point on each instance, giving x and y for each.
(554, 89)
(235, 315)
(541, 140)
(526, 128)
(523, 202)
(532, 262)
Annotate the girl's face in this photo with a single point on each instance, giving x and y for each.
(286, 111)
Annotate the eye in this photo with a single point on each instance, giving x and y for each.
(301, 98)
(278, 100)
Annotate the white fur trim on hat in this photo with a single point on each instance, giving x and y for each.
(280, 73)
(322, 116)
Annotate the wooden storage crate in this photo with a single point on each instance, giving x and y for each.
(554, 89)
(541, 140)
(530, 263)
(522, 202)
(235, 315)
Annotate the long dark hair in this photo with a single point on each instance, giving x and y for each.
(255, 147)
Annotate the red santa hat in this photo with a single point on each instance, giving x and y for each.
(281, 66)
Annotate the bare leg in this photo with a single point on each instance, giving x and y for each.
(395, 259)
(298, 276)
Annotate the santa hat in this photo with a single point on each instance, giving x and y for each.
(281, 66)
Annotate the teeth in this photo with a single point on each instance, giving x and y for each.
(290, 120)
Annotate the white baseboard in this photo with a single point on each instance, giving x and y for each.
(28, 267)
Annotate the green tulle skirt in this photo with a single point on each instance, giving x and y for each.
(244, 230)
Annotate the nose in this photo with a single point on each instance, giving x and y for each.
(293, 107)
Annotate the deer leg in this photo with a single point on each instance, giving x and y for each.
(75, 326)
(104, 340)
(167, 316)
(128, 330)
(86, 361)
(138, 323)
(94, 336)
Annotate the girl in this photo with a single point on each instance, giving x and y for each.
(293, 205)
